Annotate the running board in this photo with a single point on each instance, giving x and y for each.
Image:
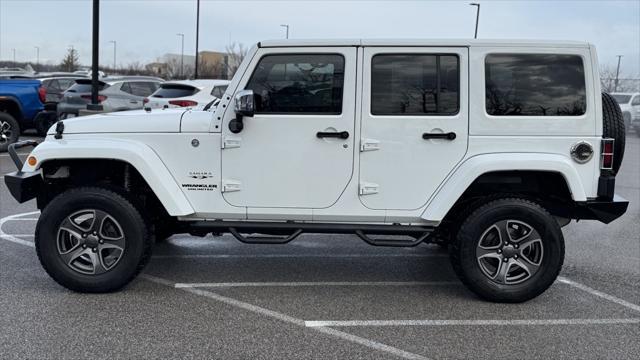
(284, 232)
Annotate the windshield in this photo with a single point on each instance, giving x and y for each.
(622, 99)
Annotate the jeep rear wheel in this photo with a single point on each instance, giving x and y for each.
(92, 240)
(508, 250)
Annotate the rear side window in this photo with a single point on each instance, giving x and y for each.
(535, 85)
(218, 91)
(415, 84)
(138, 88)
(298, 84)
(174, 91)
(85, 87)
(636, 101)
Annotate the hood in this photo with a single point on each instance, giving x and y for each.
(135, 121)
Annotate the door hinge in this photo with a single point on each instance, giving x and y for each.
(230, 185)
(369, 145)
(231, 142)
(368, 188)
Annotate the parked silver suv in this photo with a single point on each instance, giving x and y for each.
(116, 94)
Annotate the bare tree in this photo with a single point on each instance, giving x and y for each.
(235, 54)
(608, 80)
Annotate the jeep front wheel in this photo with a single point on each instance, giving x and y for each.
(92, 240)
(508, 250)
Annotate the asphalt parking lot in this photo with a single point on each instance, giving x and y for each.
(324, 297)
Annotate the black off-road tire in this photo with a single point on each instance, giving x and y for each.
(137, 247)
(463, 257)
(613, 127)
(11, 131)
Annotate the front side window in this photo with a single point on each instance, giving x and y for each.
(535, 85)
(415, 84)
(298, 84)
(636, 101)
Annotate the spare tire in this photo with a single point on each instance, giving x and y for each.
(613, 128)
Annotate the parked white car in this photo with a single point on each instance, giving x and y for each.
(630, 106)
(488, 147)
(194, 94)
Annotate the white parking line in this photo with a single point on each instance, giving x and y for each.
(14, 238)
(315, 283)
(527, 322)
(291, 320)
(599, 294)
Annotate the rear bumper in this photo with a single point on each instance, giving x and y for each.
(24, 186)
(602, 210)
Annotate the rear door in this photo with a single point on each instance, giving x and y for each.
(414, 123)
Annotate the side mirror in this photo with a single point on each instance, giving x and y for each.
(244, 106)
(245, 103)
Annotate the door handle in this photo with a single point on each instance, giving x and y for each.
(333, 134)
(445, 136)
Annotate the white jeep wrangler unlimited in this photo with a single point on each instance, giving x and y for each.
(487, 147)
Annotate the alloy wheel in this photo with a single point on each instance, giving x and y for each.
(90, 241)
(510, 252)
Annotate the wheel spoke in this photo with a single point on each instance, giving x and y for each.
(98, 220)
(529, 268)
(486, 253)
(504, 231)
(501, 273)
(72, 255)
(98, 266)
(71, 227)
(529, 242)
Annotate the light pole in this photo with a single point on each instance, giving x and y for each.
(615, 84)
(114, 54)
(475, 36)
(37, 56)
(287, 27)
(195, 72)
(14, 56)
(181, 56)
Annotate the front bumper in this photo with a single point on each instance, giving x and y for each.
(24, 186)
(602, 210)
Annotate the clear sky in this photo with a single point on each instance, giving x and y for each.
(146, 29)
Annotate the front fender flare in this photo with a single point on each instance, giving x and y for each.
(469, 170)
(135, 153)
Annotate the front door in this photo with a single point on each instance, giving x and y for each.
(414, 123)
(297, 150)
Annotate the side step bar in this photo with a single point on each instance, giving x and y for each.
(282, 233)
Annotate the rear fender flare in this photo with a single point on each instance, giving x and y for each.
(472, 168)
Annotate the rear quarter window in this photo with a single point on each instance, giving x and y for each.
(174, 91)
(534, 85)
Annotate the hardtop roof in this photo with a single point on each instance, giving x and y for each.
(422, 42)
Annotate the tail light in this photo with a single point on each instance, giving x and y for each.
(607, 154)
(42, 94)
(101, 98)
(145, 100)
(183, 103)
